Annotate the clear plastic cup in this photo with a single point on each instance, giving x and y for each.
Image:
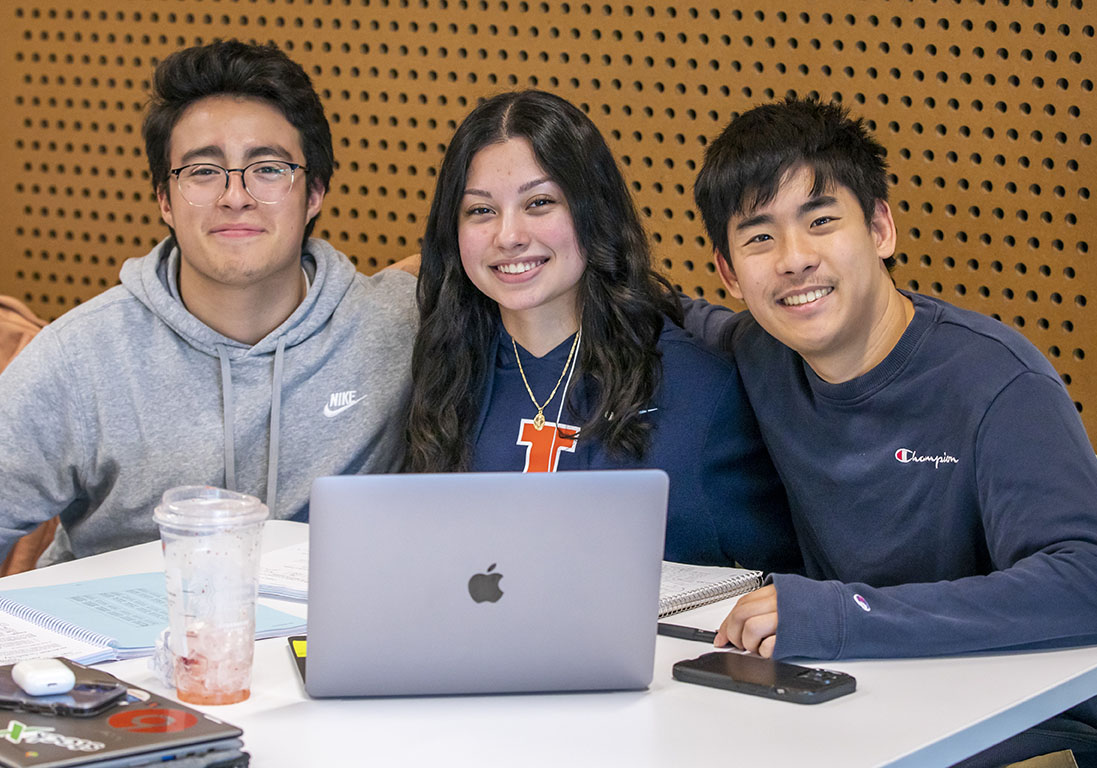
(211, 539)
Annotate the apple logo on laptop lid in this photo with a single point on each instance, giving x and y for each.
(484, 587)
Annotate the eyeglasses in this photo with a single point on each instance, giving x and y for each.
(268, 181)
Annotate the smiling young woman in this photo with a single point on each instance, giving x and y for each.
(548, 343)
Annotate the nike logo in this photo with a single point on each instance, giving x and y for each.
(647, 410)
(341, 401)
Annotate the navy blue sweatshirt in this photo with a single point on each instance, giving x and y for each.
(945, 501)
(726, 504)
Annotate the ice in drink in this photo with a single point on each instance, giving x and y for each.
(217, 667)
(212, 541)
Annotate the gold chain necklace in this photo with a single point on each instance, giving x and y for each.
(539, 419)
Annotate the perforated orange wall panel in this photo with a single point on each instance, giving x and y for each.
(987, 108)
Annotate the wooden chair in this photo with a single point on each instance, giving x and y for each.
(18, 325)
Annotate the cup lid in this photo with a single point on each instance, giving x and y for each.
(204, 506)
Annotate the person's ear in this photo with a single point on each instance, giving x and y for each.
(315, 200)
(727, 274)
(882, 228)
(165, 207)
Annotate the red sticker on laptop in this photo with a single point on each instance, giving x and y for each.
(159, 720)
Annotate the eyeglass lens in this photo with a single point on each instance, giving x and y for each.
(268, 181)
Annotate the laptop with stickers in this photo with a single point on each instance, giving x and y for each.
(141, 728)
(484, 582)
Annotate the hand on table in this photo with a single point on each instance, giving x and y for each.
(752, 623)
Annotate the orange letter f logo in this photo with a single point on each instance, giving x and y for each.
(543, 446)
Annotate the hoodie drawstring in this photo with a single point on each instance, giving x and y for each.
(229, 413)
(275, 421)
(275, 424)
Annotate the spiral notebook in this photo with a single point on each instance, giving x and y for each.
(117, 617)
(688, 586)
(284, 575)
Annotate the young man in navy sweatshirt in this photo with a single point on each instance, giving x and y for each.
(941, 483)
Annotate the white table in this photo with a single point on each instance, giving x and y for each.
(909, 712)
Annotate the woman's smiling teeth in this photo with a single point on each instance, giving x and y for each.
(805, 298)
(518, 267)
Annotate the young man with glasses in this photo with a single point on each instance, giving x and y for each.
(238, 353)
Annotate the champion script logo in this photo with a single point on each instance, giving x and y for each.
(341, 401)
(907, 456)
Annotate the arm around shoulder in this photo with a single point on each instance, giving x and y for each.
(710, 323)
(745, 497)
(393, 302)
(409, 264)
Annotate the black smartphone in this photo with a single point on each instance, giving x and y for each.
(94, 692)
(751, 674)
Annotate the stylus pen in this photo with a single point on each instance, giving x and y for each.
(687, 633)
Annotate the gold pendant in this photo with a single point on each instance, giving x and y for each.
(539, 421)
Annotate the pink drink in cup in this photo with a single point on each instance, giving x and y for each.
(211, 539)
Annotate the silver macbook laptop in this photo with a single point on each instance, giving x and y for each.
(484, 583)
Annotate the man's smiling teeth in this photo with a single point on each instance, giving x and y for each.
(805, 298)
(517, 268)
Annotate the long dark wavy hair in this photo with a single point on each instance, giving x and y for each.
(622, 301)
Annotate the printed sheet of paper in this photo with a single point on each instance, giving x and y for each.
(679, 577)
(122, 613)
(285, 572)
(127, 611)
(21, 639)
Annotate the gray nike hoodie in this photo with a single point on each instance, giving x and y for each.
(129, 394)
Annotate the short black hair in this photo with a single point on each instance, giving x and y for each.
(745, 165)
(239, 69)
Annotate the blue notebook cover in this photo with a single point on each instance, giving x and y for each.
(126, 613)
